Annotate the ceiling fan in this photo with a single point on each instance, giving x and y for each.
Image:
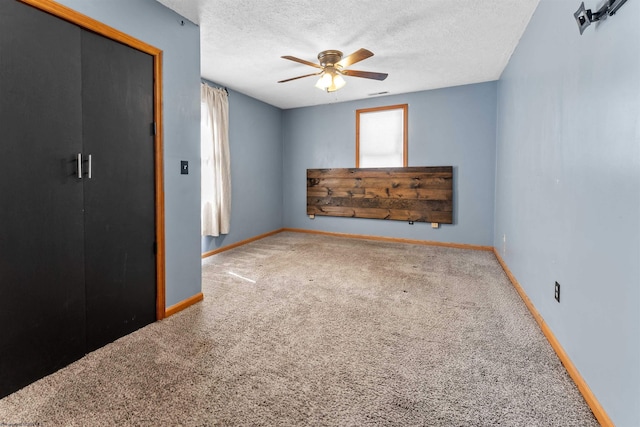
(333, 67)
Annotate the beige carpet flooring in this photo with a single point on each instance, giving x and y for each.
(307, 330)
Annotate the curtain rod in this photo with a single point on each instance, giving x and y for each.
(224, 88)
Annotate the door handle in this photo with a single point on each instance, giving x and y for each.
(89, 168)
(79, 165)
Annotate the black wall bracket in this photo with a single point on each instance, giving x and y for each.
(584, 17)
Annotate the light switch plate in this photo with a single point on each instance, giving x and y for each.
(184, 167)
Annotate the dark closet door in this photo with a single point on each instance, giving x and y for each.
(117, 97)
(42, 311)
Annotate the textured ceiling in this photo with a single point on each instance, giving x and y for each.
(421, 44)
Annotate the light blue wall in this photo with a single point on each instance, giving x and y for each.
(447, 127)
(255, 142)
(149, 21)
(568, 190)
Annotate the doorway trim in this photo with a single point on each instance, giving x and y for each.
(97, 27)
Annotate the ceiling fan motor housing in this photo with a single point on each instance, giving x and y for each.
(329, 58)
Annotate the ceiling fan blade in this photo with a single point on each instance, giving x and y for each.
(365, 74)
(356, 56)
(299, 77)
(302, 61)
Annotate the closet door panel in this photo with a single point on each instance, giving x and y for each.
(119, 197)
(42, 311)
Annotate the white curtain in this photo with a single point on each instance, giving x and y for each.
(216, 173)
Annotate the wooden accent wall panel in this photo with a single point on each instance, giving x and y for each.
(421, 194)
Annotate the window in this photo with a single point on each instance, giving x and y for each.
(381, 137)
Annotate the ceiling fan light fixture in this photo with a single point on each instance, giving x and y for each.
(324, 81)
(330, 80)
(338, 82)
